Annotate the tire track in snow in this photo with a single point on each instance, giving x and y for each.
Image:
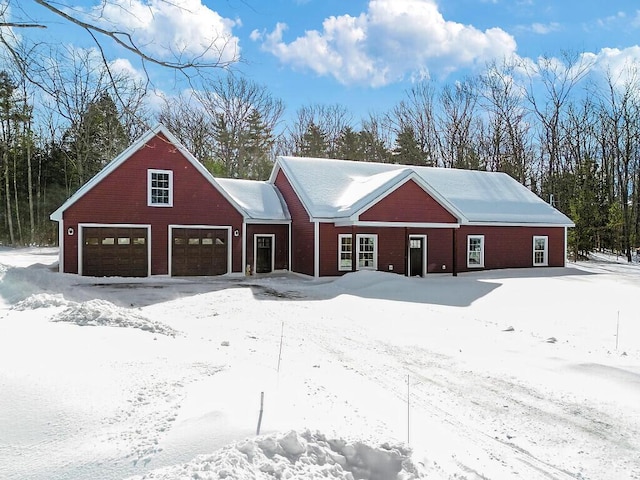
(493, 405)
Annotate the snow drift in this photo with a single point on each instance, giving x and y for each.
(306, 455)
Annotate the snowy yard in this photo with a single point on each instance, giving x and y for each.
(529, 374)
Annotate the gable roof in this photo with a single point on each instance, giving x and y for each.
(340, 188)
(260, 200)
(235, 194)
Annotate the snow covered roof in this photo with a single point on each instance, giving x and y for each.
(341, 188)
(259, 200)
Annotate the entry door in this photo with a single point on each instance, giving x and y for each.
(417, 256)
(264, 254)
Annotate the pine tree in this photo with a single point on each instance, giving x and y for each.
(407, 150)
(314, 143)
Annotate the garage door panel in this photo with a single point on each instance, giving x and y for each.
(199, 251)
(115, 251)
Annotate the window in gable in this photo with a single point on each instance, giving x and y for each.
(475, 251)
(160, 188)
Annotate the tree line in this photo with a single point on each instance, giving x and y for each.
(565, 130)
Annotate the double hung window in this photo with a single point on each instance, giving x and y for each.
(366, 252)
(160, 188)
(540, 251)
(475, 251)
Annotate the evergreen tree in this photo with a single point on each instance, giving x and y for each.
(407, 151)
(584, 210)
(96, 140)
(258, 145)
(348, 146)
(314, 143)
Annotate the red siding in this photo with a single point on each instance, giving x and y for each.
(281, 233)
(121, 197)
(392, 248)
(302, 231)
(408, 203)
(511, 247)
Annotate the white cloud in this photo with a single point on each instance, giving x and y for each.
(179, 30)
(621, 65)
(393, 39)
(544, 28)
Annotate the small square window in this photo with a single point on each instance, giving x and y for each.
(124, 241)
(108, 241)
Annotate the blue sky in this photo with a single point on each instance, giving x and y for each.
(358, 53)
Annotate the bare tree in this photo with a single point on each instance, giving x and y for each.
(556, 78)
(331, 120)
(456, 124)
(416, 112)
(217, 52)
(507, 135)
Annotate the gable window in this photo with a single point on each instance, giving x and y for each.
(540, 251)
(160, 188)
(475, 251)
(345, 252)
(367, 252)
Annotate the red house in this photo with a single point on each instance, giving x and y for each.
(155, 210)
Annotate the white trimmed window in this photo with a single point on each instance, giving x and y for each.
(345, 252)
(159, 188)
(540, 251)
(367, 252)
(475, 251)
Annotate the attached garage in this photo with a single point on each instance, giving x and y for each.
(202, 251)
(115, 251)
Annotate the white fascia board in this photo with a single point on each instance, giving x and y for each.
(259, 221)
(387, 189)
(518, 224)
(349, 223)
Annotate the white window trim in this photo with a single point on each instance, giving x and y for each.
(375, 251)
(469, 238)
(545, 261)
(150, 173)
(340, 267)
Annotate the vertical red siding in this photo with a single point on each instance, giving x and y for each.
(511, 247)
(121, 197)
(408, 203)
(302, 229)
(281, 233)
(392, 248)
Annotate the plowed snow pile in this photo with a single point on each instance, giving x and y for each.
(300, 456)
(95, 312)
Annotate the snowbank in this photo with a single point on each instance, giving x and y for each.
(103, 313)
(306, 455)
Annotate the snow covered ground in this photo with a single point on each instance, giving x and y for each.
(529, 374)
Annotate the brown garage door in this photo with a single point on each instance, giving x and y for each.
(199, 251)
(115, 252)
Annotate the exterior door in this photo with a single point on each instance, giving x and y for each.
(115, 252)
(417, 256)
(264, 254)
(199, 252)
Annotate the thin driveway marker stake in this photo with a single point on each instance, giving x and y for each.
(408, 409)
(617, 330)
(280, 352)
(261, 409)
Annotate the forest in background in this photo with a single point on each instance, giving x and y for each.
(566, 131)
